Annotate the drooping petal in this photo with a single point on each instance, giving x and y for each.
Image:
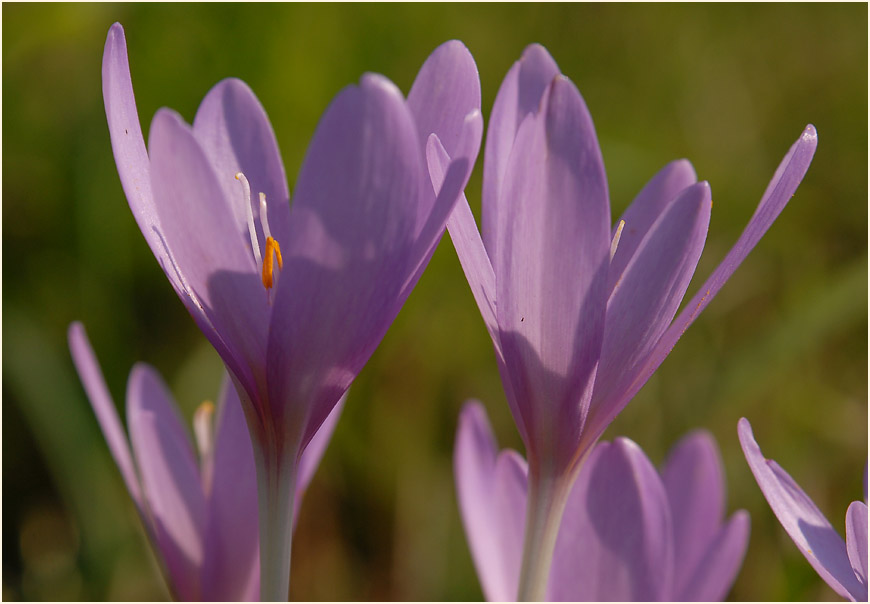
(519, 94)
(715, 572)
(349, 253)
(814, 536)
(694, 482)
(551, 270)
(491, 490)
(645, 209)
(231, 569)
(170, 478)
(615, 541)
(234, 132)
(856, 544)
(107, 414)
(646, 298)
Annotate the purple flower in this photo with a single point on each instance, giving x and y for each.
(199, 511)
(294, 300)
(581, 313)
(629, 533)
(843, 566)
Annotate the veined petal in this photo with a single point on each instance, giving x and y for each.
(170, 477)
(491, 489)
(856, 545)
(519, 94)
(350, 250)
(615, 541)
(715, 572)
(231, 569)
(646, 298)
(814, 536)
(551, 269)
(645, 210)
(235, 134)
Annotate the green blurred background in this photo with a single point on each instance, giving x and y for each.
(728, 86)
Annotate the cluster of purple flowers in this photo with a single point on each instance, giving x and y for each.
(295, 297)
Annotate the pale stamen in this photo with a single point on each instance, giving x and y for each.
(273, 250)
(203, 431)
(616, 236)
(249, 214)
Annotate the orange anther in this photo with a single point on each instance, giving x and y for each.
(269, 259)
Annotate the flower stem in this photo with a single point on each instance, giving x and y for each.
(546, 504)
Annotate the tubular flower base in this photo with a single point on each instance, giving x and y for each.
(294, 300)
(629, 533)
(843, 566)
(199, 511)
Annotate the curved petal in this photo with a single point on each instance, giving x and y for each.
(615, 541)
(814, 536)
(694, 482)
(231, 568)
(107, 414)
(235, 134)
(856, 545)
(350, 251)
(551, 270)
(715, 572)
(170, 478)
(491, 490)
(645, 209)
(519, 94)
(647, 297)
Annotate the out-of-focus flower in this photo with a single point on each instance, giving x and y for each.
(581, 315)
(843, 566)
(294, 300)
(199, 508)
(629, 533)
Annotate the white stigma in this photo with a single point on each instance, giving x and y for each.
(249, 214)
(616, 236)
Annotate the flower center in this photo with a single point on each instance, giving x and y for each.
(271, 251)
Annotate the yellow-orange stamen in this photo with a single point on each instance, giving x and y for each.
(269, 259)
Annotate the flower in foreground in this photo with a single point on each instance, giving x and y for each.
(629, 533)
(199, 511)
(294, 300)
(581, 314)
(843, 566)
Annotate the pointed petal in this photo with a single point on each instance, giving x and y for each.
(646, 299)
(234, 132)
(856, 545)
(104, 408)
(805, 524)
(551, 269)
(646, 208)
(519, 94)
(694, 482)
(350, 251)
(232, 539)
(615, 541)
(715, 572)
(170, 478)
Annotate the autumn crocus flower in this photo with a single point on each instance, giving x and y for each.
(581, 312)
(843, 566)
(199, 508)
(294, 300)
(629, 533)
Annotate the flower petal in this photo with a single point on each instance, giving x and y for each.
(715, 572)
(551, 269)
(856, 545)
(350, 251)
(107, 414)
(615, 540)
(235, 134)
(519, 94)
(170, 477)
(645, 300)
(231, 568)
(694, 481)
(491, 490)
(814, 536)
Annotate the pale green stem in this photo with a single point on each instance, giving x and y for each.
(546, 503)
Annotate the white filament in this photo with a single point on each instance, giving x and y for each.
(616, 236)
(263, 219)
(249, 214)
